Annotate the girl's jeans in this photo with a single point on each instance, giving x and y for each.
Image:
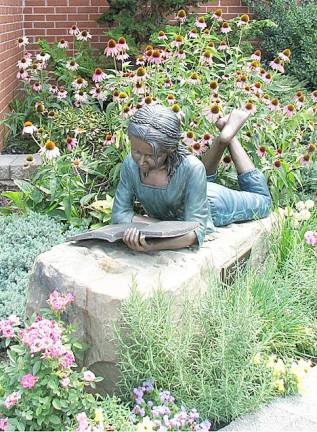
(252, 201)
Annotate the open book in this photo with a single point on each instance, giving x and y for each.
(112, 233)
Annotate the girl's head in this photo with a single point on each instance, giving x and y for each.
(154, 132)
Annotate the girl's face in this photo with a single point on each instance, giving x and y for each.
(142, 154)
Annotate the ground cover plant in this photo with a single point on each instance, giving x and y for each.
(230, 349)
(202, 68)
(23, 238)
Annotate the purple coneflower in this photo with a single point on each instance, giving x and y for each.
(111, 49)
(305, 159)
(62, 93)
(261, 151)
(179, 40)
(98, 94)
(23, 75)
(52, 88)
(285, 55)
(74, 30)
(28, 128)
(207, 139)
(72, 65)
(24, 63)
(250, 107)
(217, 15)
(213, 85)
(274, 105)
(99, 75)
(212, 112)
(23, 41)
(161, 35)
(257, 55)
(62, 44)
(43, 56)
(244, 20)
(180, 54)
(84, 35)
(81, 97)
(223, 46)
(140, 60)
(71, 143)
(200, 22)
(314, 96)
(277, 65)
(193, 34)
(79, 83)
(122, 45)
(206, 58)
(177, 110)
(289, 110)
(194, 78)
(181, 16)
(109, 139)
(36, 87)
(188, 138)
(267, 78)
(197, 148)
(156, 57)
(277, 164)
(225, 28)
(170, 99)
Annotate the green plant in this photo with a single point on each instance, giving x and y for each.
(137, 20)
(295, 28)
(42, 389)
(23, 238)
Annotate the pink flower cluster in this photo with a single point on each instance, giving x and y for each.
(311, 237)
(7, 326)
(83, 424)
(12, 399)
(58, 302)
(28, 381)
(4, 424)
(45, 336)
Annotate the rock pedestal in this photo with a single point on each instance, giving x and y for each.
(100, 276)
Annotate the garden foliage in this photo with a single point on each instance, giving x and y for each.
(202, 69)
(230, 349)
(23, 238)
(296, 28)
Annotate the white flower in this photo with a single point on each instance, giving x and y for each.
(23, 41)
(309, 204)
(300, 205)
(28, 128)
(71, 65)
(49, 150)
(43, 56)
(83, 36)
(304, 215)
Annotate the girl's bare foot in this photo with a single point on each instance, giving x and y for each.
(235, 122)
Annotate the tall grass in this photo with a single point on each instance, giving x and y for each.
(203, 351)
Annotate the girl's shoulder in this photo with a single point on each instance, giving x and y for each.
(191, 163)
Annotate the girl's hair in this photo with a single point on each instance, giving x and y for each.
(159, 126)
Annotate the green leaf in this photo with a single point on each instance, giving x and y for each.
(36, 367)
(67, 206)
(85, 199)
(18, 349)
(57, 404)
(55, 419)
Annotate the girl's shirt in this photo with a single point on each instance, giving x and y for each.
(184, 198)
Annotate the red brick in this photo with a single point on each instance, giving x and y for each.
(57, 2)
(79, 2)
(230, 2)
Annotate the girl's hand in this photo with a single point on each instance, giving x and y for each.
(135, 241)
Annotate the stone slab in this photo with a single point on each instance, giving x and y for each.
(17, 170)
(100, 276)
(291, 414)
(5, 162)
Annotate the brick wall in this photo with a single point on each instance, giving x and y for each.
(50, 20)
(11, 27)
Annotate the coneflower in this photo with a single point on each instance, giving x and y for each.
(289, 110)
(267, 78)
(71, 143)
(261, 151)
(244, 20)
(277, 65)
(197, 148)
(156, 57)
(83, 36)
(99, 75)
(109, 139)
(170, 99)
(274, 104)
(180, 54)
(225, 28)
(212, 112)
(161, 35)
(194, 78)
(217, 15)
(214, 86)
(122, 45)
(193, 34)
(115, 95)
(250, 107)
(74, 30)
(28, 128)
(181, 16)
(206, 58)
(256, 55)
(207, 139)
(140, 60)
(111, 49)
(200, 22)
(79, 83)
(314, 96)
(277, 164)
(23, 41)
(49, 150)
(178, 41)
(285, 55)
(223, 46)
(62, 44)
(305, 159)
(311, 148)
(188, 137)
(72, 65)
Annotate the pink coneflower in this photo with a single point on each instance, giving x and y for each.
(180, 54)
(225, 77)
(267, 78)
(49, 150)
(43, 56)
(115, 95)
(148, 55)
(62, 93)
(111, 49)
(225, 28)
(127, 111)
(227, 161)
(39, 65)
(193, 34)
(181, 16)
(99, 75)
(212, 112)
(24, 63)
(170, 99)
(52, 88)
(71, 143)
(36, 87)
(74, 30)
(139, 88)
(310, 238)
(62, 44)
(28, 128)
(277, 164)
(250, 107)
(200, 22)
(279, 152)
(207, 139)
(98, 94)
(289, 110)
(311, 148)
(79, 83)
(257, 88)
(140, 61)
(305, 159)
(300, 102)
(122, 45)
(81, 97)
(274, 105)
(285, 55)
(244, 20)
(314, 96)
(84, 35)
(156, 57)
(122, 56)
(179, 40)
(23, 41)
(197, 148)
(257, 55)
(206, 58)
(122, 97)
(109, 139)
(223, 46)
(261, 151)
(277, 65)
(194, 78)
(188, 138)
(161, 35)
(255, 65)
(72, 65)
(177, 110)
(217, 15)
(213, 85)
(23, 75)
(140, 75)
(168, 83)
(40, 108)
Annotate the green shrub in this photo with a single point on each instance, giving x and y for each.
(296, 29)
(23, 238)
(220, 353)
